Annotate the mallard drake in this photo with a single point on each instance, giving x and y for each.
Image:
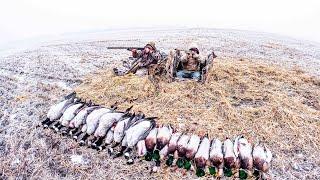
(172, 147)
(192, 146)
(57, 110)
(216, 157)
(181, 152)
(182, 145)
(163, 136)
(151, 140)
(262, 157)
(202, 156)
(245, 154)
(230, 157)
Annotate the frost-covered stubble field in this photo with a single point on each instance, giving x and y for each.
(32, 80)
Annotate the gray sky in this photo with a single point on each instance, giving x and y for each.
(22, 19)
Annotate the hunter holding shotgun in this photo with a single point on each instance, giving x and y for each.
(144, 58)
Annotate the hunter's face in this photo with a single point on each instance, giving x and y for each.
(146, 49)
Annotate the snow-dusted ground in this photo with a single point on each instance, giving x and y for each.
(33, 79)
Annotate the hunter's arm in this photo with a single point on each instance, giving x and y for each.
(137, 53)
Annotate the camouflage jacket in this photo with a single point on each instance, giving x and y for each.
(191, 61)
(147, 58)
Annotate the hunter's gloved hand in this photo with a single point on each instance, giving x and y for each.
(134, 52)
(156, 55)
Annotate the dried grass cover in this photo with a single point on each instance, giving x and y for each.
(262, 102)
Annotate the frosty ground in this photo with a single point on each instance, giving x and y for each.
(30, 81)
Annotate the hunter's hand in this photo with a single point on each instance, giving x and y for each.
(156, 56)
(133, 50)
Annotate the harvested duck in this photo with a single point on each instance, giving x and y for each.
(216, 158)
(262, 157)
(57, 110)
(172, 148)
(192, 146)
(151, 140)
(163, 136)
(137, 132)
(202, 156)
(230, 158)
(107, 121)
(92, 122)
(245, 154)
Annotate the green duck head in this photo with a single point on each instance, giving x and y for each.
(180, 162)
(170, 159)
(200, 172)
(148, 156)
(243, 174)
(212, 171)
(187, 165)
(227, 172)
(156, 155)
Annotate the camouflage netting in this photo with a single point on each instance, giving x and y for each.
(264, 103)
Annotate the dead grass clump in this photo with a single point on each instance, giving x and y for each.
(265, 103)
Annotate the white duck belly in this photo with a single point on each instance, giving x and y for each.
(164, 152)
(136, 133)
(141, 148)
(69, 114)
(192, 146)
(163, 136)
(106, 121)
(216, 155)
(173, 142)
(56, 111)
(245, 154)
(151, 139)
(261, 158)
(109, 136)
(202, 154)
(119, 130)
(182, 145)
(229, 155)
(93, 119)
(80, 118)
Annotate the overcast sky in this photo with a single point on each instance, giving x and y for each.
(21, 19)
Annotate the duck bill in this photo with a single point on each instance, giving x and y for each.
(77, 134)
(64, 131)
(83, 139)
(45, 121)
(73, 131)
(97, 143)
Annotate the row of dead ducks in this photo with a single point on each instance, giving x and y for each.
(135, 136)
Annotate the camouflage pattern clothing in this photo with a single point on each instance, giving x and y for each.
(145, 58)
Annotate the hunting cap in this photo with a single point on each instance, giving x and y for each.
(151, 44)
(194, 46)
